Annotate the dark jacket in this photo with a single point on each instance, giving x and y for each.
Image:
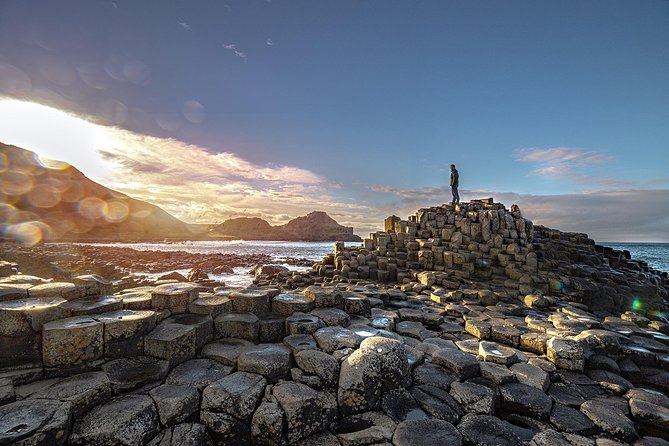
(454, 178)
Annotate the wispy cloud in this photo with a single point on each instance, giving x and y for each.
(560, 161)
(184, 25)
(233, 47)
(269, 42)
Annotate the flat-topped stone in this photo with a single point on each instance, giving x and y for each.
(35, 422)
(87, 306)
(94, 284)
(203, 325)
(289, 303)
(126, 420)
(13, 291)
(213, 305)
(330, 339)
(175, 343)
(65, 290)
(136, 300)
(253, 300)
(499, 354)
(566, 353)
(175, 404)
(23, 317)
(127, 374)
(297, 343)
(306, 410)
(83, 391)
(175, 297)
(226, 351)
(242, 325)
(462, 364)
(124, 331)
(273, 361)
(323, 296)
(300, 323)
(197, 373)
(72, 341)
(272, 328)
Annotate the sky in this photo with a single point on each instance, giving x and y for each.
(219, 109)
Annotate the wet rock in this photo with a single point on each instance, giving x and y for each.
(432, 375)
(437, 402)
(228, 404)
(289, 303)
(35, 422)
(379, 363)
(253, 300)
(174, 343)
(202, 325)
(474, 398)
(238, 325)
(525, 400)
(88, 306)
(82, 391)
(272, 328)
(486, 430)
(226, 351)
(565, 354)
(496, 353)
(330, 339)
(126, 374)
(531, 375)
(185, 434)
(496, 373)
(175, 404)
(300, 323)
(567, 419)
(197, 373)
(463, 364)
(72, 341)
(267, 425)
(320, 364)
(400, 405)
(175, 297)
(306, 410)
(125, 420)
(610, 419)
(273, 361)
(24, 317)
(213, 305)
(426, 433)
(332, 316)
(611, 381)
(124, 331)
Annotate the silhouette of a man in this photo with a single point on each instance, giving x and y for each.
(455, 181)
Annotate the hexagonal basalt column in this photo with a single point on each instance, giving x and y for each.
(238, 325)
(213, 305)
(300, 323)
(65, 290)
(273, 361)
(124, 331)
(13, 291)
(272, 327)
(137, 300)
(289, 303)
(253, 300)
(72, 342)
(202, 323)
(87, 306)
(172, 342)
(27, 316)
(175, 297)
(94, 285)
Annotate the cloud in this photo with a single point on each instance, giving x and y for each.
(560, 161)
(605, 215)
(184, 25)
(269, 42)
(233, 47)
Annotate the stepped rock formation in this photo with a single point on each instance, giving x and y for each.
(66, 205)
(459, 326)
(315, 227)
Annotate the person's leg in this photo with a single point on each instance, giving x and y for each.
(457, 195)
(453, 193)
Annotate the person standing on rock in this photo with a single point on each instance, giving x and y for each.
(455, 181)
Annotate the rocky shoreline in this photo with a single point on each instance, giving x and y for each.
(458, 326)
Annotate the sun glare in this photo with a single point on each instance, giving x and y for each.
(54, 134)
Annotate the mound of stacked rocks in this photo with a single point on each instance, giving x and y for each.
(438, 359)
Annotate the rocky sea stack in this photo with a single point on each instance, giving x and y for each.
(463, 325)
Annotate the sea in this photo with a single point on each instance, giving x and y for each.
(656, 254)
(240, 277)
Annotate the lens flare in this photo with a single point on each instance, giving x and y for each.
(29, 232)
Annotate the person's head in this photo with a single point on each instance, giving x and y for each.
(452, 166)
